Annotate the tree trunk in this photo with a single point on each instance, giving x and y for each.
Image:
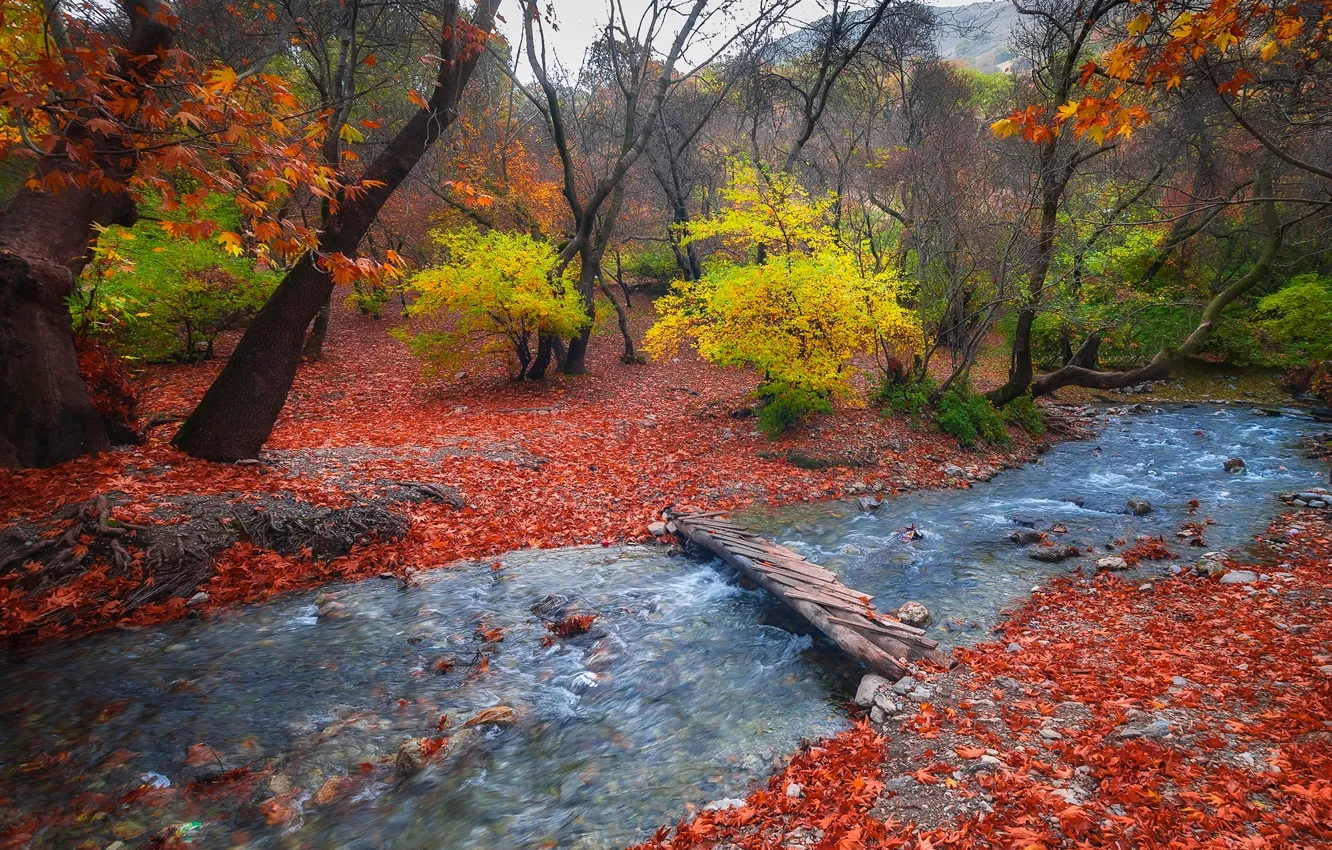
(537, 371)
(236, 415)
(314, 345)
(575, 361)
(623, 318)
(1163, 363)
(46, 413)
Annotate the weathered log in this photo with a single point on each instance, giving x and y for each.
(814, 593)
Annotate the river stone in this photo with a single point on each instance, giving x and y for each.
(871, 685)
(657, 529)
(1139, 506)
(1112, 562)
(1053, 554)
(795, 789)
(1211, 565)
(410, 759)
(904, 685)
(1028, 521)
(197, 599)
(1234, 464)
(914, 613)
(1025, 536)
(1156, 729)
(869, 504)
(1074, 500)
(920, 694)
(1239, 577)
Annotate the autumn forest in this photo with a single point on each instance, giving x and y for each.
(665, 424)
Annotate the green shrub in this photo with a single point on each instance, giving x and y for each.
(1298, 317)
(968, 416)
(656, 263)
(1023, 412)
(908, 397)
(157, 297)
(782, 405)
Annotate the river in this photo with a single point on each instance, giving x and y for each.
(687, 689)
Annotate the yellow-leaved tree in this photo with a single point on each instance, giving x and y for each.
(799, 315)
(496, 289)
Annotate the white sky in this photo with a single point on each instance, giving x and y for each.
(580, 21)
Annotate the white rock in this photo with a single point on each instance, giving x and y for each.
(657, 529)
(904, 685)
(1111, 562)
(870, 686)
(914, 613)
(1239, 577)
(795, 789)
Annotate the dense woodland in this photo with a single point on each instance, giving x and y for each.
(814, 191)
(343, 299)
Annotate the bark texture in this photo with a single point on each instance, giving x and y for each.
(46, 413)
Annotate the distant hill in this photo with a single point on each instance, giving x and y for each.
(978, 34)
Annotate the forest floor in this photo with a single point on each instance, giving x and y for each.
(1180, 713)
(508, 465)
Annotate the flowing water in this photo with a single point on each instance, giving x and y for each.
(688, 688)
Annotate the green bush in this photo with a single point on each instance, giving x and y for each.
(1298, 317)
(158, 297)
(968, 416)
(782, 405)
(656, 263)
(909, 397)
(1023, 412)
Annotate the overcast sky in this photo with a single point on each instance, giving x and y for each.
(580, 20)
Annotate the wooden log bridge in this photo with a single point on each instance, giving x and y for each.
(846, 616)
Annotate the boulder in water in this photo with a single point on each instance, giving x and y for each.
(870, 504)
(1234, 464)
(1139, 506)
(1053, 554)
(1025, 536)
(1028, 521)
(1074, 500)
(914, 613)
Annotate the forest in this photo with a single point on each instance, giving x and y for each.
(439, 424)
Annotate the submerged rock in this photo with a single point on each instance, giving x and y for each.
(1053, 554)
(724, 803)
(1234, 464)
(1139, 506)
(1025, 536)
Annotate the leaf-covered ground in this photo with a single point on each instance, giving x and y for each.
(570, 461)
(1181, 714)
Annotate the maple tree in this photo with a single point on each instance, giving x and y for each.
(236, 415)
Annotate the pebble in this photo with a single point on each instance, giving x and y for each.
(1239, 577)
(1179, 682)
(1051, 735)
(657, 529)
(921, 694)
(1015, 647)
(795, 789)
(904, 685)
(724, 803)
(1156, 729)
(197, 599)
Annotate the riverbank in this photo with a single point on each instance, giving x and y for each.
(1180, 712)
(508, 465)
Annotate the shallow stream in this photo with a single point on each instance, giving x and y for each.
(687, 689)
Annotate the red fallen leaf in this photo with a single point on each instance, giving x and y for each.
(494, 635)
(201, 754)
(572, 626)
(277, 811)
(970, 752)
(1075, 821)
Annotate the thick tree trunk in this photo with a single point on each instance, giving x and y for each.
(236, 415)
(46, 413)
(537, 371)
